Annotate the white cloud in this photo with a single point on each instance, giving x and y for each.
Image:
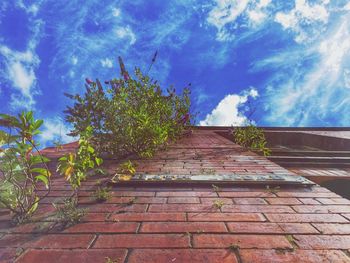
(126, 32)
(74, 60)
(106, 63)
(303, 96)
(54, 129)
(19, 71)
(302, 18)
(225, 13)
(116, 12)
(227, 111)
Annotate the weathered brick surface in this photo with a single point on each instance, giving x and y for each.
(73, 256)
(306, 218)
(304, 256)
(182, 255)
(323, 241)
(142, 241)
(331, 229)
(189, 223)
(243, 241)
(182, 227)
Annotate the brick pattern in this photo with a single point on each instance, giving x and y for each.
(186, 224)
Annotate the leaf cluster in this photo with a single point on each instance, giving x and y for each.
(22, 168)
(75, 166)
(253, 138)
(132, 115)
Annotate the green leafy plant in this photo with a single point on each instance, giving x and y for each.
(132, 115)
(251, 137)
(68, 213)
(102, 194)
(23, 170)
(75, 166)
(126, 171)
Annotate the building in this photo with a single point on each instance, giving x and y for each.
(205, 199)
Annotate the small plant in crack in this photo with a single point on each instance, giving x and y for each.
(68, 213)
(234, 247)
(131, 201)
(109, 260)
(292, 241)
(272, 190)
(102, 194)
(216, 188)
(218, 204)
(283, 250)
(207, 171)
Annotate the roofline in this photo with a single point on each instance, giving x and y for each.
(223, 128)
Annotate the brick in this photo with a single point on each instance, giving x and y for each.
(62, 241)
(322, 208)
(249, 201)
(305, 256)
(142, 241)
(333, 201)
(331, 229)
(257, 209)
(104, 227)
(133, 193)
(225, 217)
(74, 256)
(8, 254)
(182, 227)
(183, 200)
(182, 255)
(309, 201)
(95, 217)
(139, 217)
(181, 208)
(211, 200)
(271, 228)
(14, 240)
(246, 194)
(186, 194)
(307, 194)
(243, 241)
(105, 208)
(283, 201)
(306, 218)
(137, 200)
(322, 241)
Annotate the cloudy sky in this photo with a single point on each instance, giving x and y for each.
(288, 61)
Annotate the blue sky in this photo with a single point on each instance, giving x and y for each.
(290, 60)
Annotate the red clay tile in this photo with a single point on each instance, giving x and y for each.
(183, 200)
(331, 229)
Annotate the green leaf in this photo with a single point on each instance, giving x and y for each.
(41, 171)
(98, 161)
(42, 178)
(34, 206)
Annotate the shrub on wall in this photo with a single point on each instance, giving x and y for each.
(23, 169)
(132, 115)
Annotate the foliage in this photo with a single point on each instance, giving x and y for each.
(125, 171)
(251, 137)
(218, 204)
(23, 169)
(68, 213)
(102, 194)
(75, 166)
(131, 115)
